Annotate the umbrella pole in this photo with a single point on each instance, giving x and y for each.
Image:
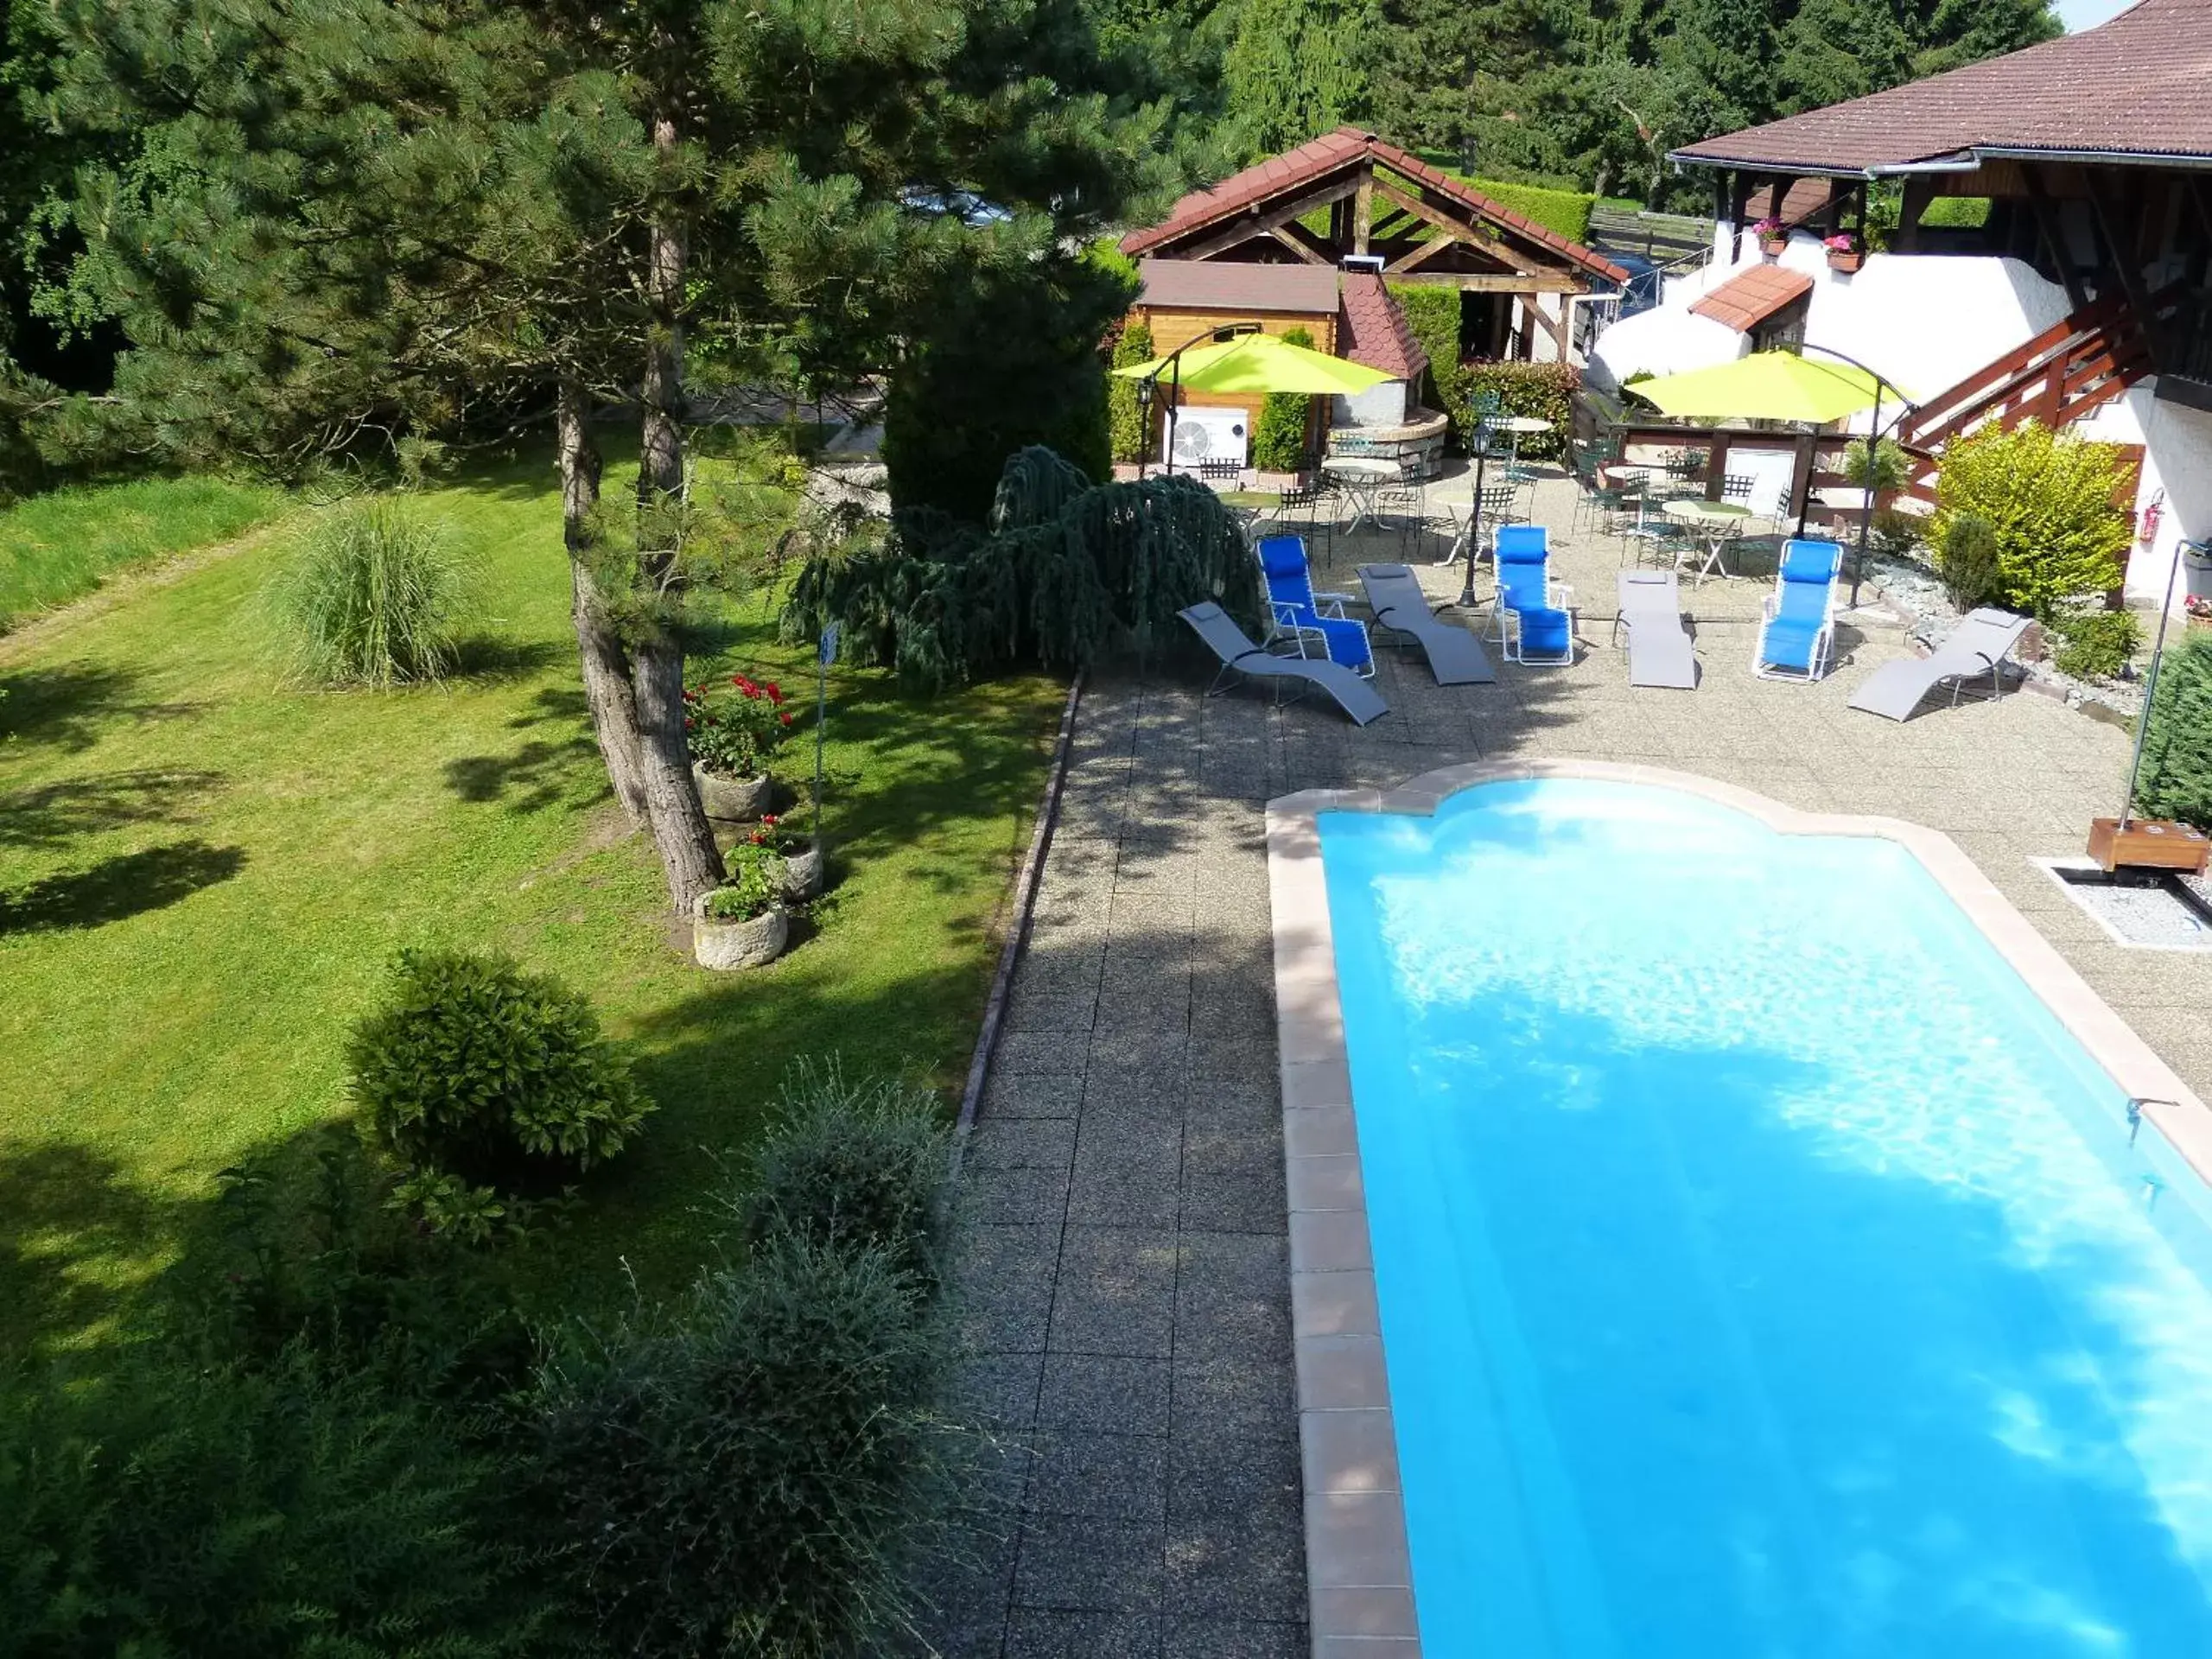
(1866, 495)
(1174, 403)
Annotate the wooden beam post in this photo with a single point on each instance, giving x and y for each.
(2128, 273)
(1919, 191)
(1800, 475)
(1362, 212)
(2054, 236)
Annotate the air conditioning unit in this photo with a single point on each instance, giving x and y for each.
(1201, 435)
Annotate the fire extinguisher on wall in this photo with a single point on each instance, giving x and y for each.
(2146, 529)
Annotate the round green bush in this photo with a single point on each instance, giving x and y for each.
(1970, 563)
(476, 1068)
(2095, 644)
(852, 1165)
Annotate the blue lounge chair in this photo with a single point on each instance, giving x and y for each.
(1239, 655)
(1535, 616)
(1303, 617)
(1798, 628)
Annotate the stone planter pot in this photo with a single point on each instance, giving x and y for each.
(724, 945)
(731, 797)
(1845, 263)
(802, 874)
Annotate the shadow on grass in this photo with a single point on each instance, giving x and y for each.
(487, 658)
(71, 705)
(67, 1207)
(126, 886)
(58, 812)
(544, 771)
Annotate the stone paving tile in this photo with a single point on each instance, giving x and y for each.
(1085, 1563)
(1125, 1281)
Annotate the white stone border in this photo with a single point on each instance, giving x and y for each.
(1358, 1567)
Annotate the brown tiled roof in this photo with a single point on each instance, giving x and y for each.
(2134, 86)
(1331, 152)
(1226, 285)
(1371, 329)
(1749, 298)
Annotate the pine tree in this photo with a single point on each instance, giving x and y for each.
(1297, 68)
(327, 221)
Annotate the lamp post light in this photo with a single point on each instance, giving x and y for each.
(1478, 445)
(1144, 422)
(1147, 386)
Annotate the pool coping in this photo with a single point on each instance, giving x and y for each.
(1358, 1563)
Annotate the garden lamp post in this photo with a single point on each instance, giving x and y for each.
(1479, 443)
(1174, 361)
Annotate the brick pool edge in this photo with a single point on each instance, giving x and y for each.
(1359, 1569)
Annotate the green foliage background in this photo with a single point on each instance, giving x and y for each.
(1124, 413)
(1279, 436)
(1543, 389)
(1433, 317)
(2049, 501)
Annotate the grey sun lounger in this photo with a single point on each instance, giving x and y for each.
(1659, 650)
(1455, 656)
(1977, 645)
(1239, 655)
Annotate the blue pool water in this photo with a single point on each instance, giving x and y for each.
(1765, 1273)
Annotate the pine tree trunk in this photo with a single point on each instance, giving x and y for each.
(681, 832)
(606, 665)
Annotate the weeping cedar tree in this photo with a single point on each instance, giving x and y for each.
(1068, 570)
(326, 221)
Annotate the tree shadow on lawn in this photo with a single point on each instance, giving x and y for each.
(128, 885)
(544, 771)
(56, 813)
(63, 1209)
(71, 705)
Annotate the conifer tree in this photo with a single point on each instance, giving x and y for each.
(330, 219)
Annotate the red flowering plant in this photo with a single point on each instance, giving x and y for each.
(1841, 242)
(779, 834)
(2197, 606)
(735, 729)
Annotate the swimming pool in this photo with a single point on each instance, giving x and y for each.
(1762, 1268)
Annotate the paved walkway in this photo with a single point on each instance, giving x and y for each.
(1126, 1278)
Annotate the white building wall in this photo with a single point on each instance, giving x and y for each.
(1925, 322)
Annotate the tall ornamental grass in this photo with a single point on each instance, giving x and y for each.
(374, 597)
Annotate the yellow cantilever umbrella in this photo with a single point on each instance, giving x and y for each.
(1766, 386)
(1259, 362)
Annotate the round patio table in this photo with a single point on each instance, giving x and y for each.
(1362, 475)
(1516, 426)
(1718, 522)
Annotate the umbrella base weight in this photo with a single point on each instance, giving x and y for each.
(2148, 845)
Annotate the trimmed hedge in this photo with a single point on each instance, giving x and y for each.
(1956, 212)
(2176, 780)
(1544, 389)
(1567, 211)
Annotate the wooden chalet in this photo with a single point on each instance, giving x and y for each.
(1347, 200)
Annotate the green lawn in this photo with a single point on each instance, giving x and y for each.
(58, 547)
(203, 874)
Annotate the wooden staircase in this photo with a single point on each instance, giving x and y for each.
(2064, 374)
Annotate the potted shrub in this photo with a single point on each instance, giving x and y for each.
(1844, 253)
(801, 856)
(2198, 610)
(742, 923)
(1772, 238)
(732, 735)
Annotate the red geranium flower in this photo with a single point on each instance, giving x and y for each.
(786, 719)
